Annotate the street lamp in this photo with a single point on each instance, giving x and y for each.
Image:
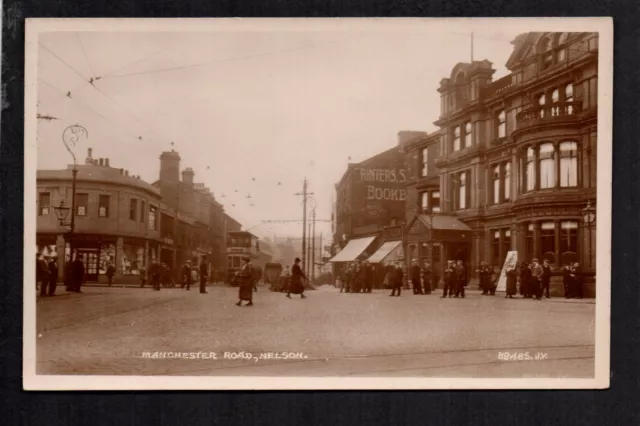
(589, 217)
(62, 212)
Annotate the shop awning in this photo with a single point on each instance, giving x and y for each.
(389, 251)
(444, 222)
(353, 249)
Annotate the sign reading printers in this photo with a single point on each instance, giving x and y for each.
(376, 180)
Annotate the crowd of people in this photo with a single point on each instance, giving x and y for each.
(532, 280)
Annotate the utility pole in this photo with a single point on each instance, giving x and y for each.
(305, 196)
(308, 270)
(313, 245)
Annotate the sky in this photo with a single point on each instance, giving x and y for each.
(252, 112)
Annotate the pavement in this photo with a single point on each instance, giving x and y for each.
(133, 331)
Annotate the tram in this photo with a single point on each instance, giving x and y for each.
(244, 244)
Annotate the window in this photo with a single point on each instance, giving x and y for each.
(44, 203)
(548, 240)
(133, 209)
(542, 100)
(568, 164)
(424, 201)
(568, 237)
(507, 181)
(502, 124)
(495, 248)
(153, 212)
(143, 210)
(568, 97)
(462, 191)
(456, 138)
(547, 166)
(530, 169)
(562, 53)
(82, 202)
(547, 54)
(435, 201)
(555, 97)
(496, 185)
(468, 135)
(425, 159)
(103, 205)
(529, 242)
(506, 244)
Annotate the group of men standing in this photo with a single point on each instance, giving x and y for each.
(535, 279)
(190, 274)
(357, 277)
(47, 275)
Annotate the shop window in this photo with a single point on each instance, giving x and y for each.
(548, 241)
(133, 209)
(425, 162)
(107, 257)
(456, 138)
(153, 215)
(143, 210)
(44, 203)
(435, 201)
(103, 205)
(496, 184)
(495, 248)
(502, 124)
(568, 237)
(530, 169)
(132, 259)
(568, 164)
(82, 203)
(547, 166)
(507, 181)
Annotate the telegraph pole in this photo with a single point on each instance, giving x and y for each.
(313, 245)
(305, 196)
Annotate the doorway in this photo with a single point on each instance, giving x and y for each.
(89, 257)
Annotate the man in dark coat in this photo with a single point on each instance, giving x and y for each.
(546, 278)
(449, 280)
(204, 270)
(186, 275)
(368, 277)
(154, 276)
(485, 278)
(42, 274)
(245, 282)
(576, 281)
(415, 277)
(461, 279)
(525, 280)
(111, 270)
(512, 278)
(426, 278)
(397, 277)
(77, 275)
(567, 281)
(53, 276)
(297, 275)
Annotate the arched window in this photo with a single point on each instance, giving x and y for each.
(456, 138)
(502, 124)
(507, 181)
(530, 169)
(547, 166)
(462, 191)
(496, 184)
(568, 164)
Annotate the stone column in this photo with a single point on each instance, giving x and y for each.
(557, 243)
(522, 241)
(536, 239)
(513, 244)
(61, 245)
(119, 255)
(501, 253)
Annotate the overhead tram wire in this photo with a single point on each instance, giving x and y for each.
(100, 90)
(241, 58)
(93, 74)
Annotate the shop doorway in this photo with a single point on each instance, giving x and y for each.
(89, 257)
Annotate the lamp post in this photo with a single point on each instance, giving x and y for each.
(589, 217)
(70, 137)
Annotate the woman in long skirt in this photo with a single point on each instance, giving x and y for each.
(512, 278)
(245, 281)
(296, 286)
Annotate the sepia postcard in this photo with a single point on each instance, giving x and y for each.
(317, 203)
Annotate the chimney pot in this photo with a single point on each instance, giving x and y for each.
(101, 161)
(121, 171)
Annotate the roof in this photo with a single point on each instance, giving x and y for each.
(443, 222)
(101, 174)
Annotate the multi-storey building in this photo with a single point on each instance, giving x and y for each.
(517, 157)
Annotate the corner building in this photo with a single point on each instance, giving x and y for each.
(518, 155)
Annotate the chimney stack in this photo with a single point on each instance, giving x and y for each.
(187, 176)
(126, 172)
(121, 171)
(106, 162)
(101, 162)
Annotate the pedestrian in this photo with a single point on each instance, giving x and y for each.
(286, 279)
(297, 275)
(567, 280)
(512, 278)
(389, 276)
(53, 276)
(485, 278)
(245, 282)
(111, 270)
(415, 277)
(546, 278)
(495, 277)
(204, 269)
(143, 276)
(42, 274)
(536, 278)
(77, 275)
(525, 280)
(449, 280)
(396, 283)
(154, 275)
(426, 278)
(186, 275)
(461, 279)
(576, 275)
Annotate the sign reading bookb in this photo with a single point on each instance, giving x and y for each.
(509, 262)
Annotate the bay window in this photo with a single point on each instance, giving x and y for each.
(547, 166)
(568, 164)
